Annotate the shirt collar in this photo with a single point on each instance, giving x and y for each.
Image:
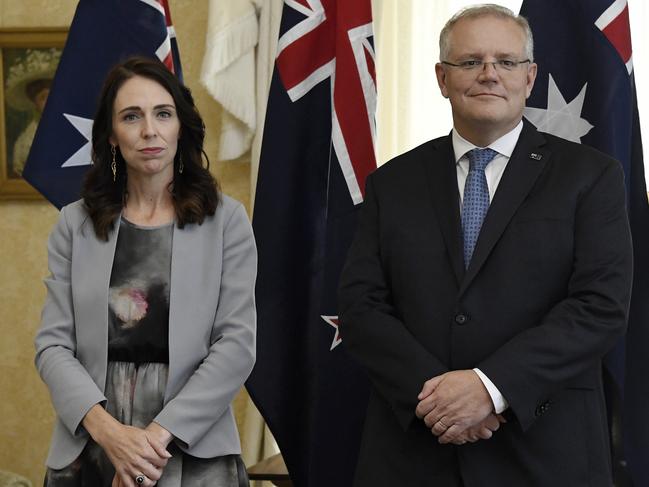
(504, 145)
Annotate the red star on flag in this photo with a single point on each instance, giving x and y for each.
(333, 321)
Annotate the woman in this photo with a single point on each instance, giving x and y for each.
(148, 330)
(28, 85)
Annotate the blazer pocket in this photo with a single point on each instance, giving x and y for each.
(588, 381)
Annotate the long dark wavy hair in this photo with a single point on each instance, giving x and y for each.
(195, 192)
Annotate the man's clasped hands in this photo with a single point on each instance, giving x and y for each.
(457, 408)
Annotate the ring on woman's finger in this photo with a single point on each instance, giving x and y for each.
(139, 479)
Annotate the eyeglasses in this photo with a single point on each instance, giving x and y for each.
(476, 65)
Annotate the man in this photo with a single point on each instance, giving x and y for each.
(490, 273)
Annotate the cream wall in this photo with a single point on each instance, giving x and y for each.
(25, 412)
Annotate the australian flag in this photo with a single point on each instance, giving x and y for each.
(103, 33)
(585, 92)
(316, 152)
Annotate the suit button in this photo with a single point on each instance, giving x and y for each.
(542, 408)
(460, 319)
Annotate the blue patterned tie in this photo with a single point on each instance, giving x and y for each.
(476, 199)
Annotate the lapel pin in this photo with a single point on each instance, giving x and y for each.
(535, 156)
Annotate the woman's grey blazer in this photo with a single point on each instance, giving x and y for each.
(211, 329)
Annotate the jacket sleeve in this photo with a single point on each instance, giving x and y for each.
(578, 331)
(373, 333)
(72, 390)
(209, 391)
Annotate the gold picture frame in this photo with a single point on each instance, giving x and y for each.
(28, 59)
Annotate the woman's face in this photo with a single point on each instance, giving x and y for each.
(146, 127)
(40, 99)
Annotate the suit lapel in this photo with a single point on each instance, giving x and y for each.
(442, 178)
(524, 167)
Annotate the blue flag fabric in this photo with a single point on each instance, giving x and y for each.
(317, 150)
(585, 91)
(102, 34)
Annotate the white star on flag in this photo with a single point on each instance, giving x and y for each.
(83, 157)
(560, 118)
(333, 321)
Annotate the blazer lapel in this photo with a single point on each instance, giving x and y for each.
(186, 261)
(96, 264)
(442, 178)
(524, 166)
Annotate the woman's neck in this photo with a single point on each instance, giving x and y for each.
(148, 202)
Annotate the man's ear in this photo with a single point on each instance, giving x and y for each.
(531, 77)
(441, 79)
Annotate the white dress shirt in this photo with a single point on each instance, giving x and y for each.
(504, 146)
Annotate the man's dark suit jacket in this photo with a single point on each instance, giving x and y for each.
(545, 297)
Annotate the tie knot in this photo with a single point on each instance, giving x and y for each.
(479, 158)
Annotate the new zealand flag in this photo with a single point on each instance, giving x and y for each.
(585, 92)
(317, 151)
(103, 33)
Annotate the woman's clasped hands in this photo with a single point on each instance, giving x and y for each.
(138, 455)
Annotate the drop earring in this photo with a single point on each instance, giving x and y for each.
(113, 164)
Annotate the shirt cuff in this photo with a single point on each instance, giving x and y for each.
(500, 403)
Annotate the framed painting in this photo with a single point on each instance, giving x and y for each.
(28, 61)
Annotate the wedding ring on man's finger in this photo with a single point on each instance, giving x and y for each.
(139, 479)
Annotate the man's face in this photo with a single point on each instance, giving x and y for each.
(488, 102)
